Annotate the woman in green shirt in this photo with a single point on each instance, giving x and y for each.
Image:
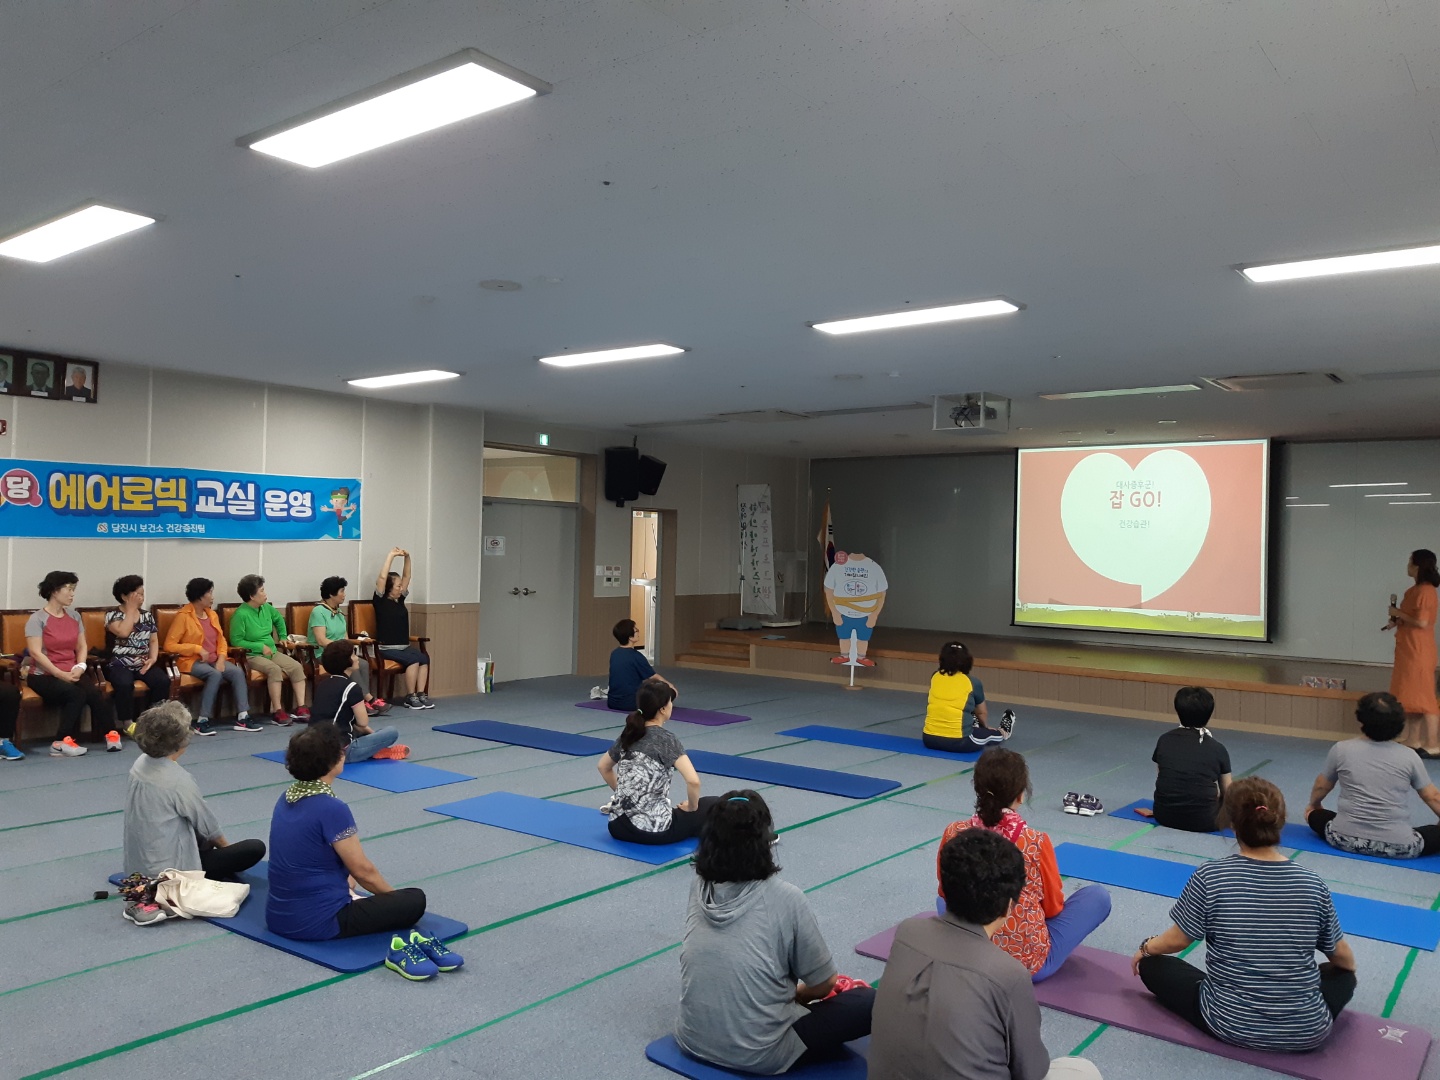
(259, 629)
(327, 624)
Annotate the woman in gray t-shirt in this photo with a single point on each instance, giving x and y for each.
(1376, 775)
(639, 769)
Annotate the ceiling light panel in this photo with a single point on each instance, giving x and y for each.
(918, 317)
(450, 90)
(403, 378)
(78, 229)
(611, 356)
(1402, 259)
(1125, 392)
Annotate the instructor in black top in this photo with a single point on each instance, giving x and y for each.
(392, 627)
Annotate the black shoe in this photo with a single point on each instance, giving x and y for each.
(412, 702)
(425, 702)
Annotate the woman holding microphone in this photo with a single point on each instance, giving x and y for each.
(1413, 679)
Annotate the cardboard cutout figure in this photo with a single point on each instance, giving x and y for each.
(855, 589)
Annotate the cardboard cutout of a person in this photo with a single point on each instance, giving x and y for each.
(855, 589)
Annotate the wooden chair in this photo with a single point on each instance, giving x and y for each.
(99, 644)
(383, 672)
(12, 644)
(297, 620)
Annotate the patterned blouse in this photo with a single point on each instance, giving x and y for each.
(1025, 935)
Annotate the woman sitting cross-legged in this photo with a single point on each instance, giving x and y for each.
(340, 700)
(167, 823)
(955, 696)
(1262, 919)
(1376, 775)
(316, 858)
(756, 979)
(639, 768)
(1044, 928)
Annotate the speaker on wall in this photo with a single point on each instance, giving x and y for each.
(622, 474)
(652, 471)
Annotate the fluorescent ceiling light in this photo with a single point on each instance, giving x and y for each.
(918, 317)
(1434, 502)
(1399, 495)
(1301, 506)
(78, 229)
(1403, 259)
(1127, 392)
(610, 356)
(1387, 483)
(404, 378)
(456, 88)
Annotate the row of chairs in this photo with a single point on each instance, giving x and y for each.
(359, 619)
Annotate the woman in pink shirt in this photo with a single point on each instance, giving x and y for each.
(55, 641)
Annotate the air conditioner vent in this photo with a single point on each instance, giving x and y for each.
(1289, 380)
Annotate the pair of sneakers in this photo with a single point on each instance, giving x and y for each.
(417, 701)
(981, 735)
(421, 956)
(398, 752)
(1086, 805)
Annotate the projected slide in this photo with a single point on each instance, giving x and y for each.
(1167, 539)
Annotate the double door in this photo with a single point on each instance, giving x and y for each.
(527, 589)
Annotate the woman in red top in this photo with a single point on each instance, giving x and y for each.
(1044, 928)
(1413, 678)
(55, 641)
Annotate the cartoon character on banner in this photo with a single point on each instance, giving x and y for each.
(342, 508)
(854, 594)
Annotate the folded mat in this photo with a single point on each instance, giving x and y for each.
(678, 712)
(1378, 920)
(388, 775)
(849, 785)
(1100, 986)
(338, 954)
(667, 1052)
(1301, 837)
(873, 740)
(580, 826)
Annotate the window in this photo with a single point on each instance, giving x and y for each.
(520, 474)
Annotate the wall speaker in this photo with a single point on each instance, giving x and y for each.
(622, 474)
(652, 471)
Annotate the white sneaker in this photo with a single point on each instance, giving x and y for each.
(67, 747)
(599, 693)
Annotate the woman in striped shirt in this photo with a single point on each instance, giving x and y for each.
(1262, 919)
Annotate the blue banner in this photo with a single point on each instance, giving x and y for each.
(133, 502)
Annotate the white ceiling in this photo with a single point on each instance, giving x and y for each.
(717, 173)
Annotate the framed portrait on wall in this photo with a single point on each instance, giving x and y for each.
(12, 373)
(80, 378)
(40, 377)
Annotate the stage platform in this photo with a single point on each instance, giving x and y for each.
(1251, 692)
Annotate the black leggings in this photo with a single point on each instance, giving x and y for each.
(683, 825)
(834, 1022)
(1430, 834)
(72, 697)
(1176, 985)
(398, 910)
(9, 710)
(1187, 820)
(962, 745)
(122, 682)
(222, 863)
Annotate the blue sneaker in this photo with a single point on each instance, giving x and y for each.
(407, 961)
(9, 751)
(439, 953)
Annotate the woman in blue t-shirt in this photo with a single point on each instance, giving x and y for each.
(316, 860)
(628, 667)
(1262, 919)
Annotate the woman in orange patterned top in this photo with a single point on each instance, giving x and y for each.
(1413, 678)
(1044, 927)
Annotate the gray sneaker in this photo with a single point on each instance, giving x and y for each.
(67, 747)
(412, 702)
(425, 702)
(145, 914)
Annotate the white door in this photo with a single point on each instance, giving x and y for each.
(527, 593)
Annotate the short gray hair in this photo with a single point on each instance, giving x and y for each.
(163, 729)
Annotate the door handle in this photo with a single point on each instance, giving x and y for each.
(528, 592)
(515, 591)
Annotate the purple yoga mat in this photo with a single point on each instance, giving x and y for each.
(1099, 986)
(685, 716)
(878, 947)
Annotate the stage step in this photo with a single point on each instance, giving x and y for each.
(708, 646)
(708, 660)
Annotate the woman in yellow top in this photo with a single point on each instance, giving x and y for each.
(954, 695)
(1413, 678)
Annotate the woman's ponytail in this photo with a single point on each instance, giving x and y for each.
(653, 695)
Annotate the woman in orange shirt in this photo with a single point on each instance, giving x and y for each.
(1413, 678)
(1044, 928)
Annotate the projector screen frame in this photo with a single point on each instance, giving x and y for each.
(1267, 542)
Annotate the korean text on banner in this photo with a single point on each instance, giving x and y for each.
(64, 499)
(757, 551)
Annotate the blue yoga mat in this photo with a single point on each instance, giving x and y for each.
(667, 1052)
(535, 738)
(393, 776)
(703, 717)
(873, 740)
(1303, 838)
(1378, 920)
(339, 954)
(581, 826)
(849, 785)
